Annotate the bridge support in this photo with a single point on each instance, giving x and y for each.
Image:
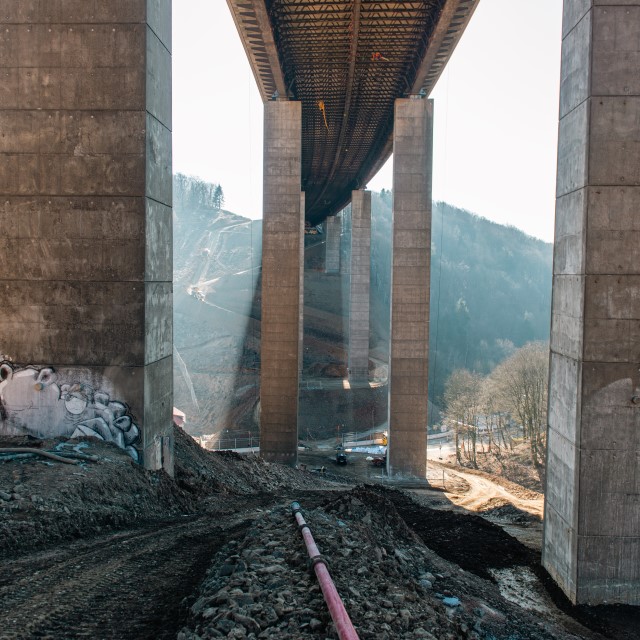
(592, 514)
(85, 223)
(411, 257)
(282, 255)
(359, 286)
(332, 231)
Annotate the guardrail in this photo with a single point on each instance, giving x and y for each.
(221, 444)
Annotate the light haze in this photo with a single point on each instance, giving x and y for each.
(496, 112)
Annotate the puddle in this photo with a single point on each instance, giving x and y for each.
(520, 586)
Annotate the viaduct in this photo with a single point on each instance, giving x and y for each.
(85, 230)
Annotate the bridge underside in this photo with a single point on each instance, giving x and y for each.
(346, 62)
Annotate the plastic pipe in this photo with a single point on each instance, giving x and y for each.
(339, 614)
(38, 452)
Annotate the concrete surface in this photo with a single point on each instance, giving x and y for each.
(592, 517)
(411, 258)
(282, 226)
(85, 180)
(359, 281)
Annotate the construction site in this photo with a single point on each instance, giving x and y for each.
(302, 426)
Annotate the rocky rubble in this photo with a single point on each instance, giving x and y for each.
(393, 586)
(403, 568)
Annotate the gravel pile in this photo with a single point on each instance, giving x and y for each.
(392, 585)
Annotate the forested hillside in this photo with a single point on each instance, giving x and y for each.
(490, 289)
(490, 293)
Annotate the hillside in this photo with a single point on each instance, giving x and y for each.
(216, 341)
(490, 292)
(490, 289)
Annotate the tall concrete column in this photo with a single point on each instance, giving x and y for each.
(411, 257)
(281, 281)
(85, 223)
(359, 286)
(592, 514)
(332, 232)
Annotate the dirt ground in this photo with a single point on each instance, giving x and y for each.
(104, 549)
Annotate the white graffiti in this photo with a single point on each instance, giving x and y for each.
(32, 401)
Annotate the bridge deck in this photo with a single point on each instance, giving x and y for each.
(346, 61)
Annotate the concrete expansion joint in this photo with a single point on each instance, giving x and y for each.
(575, 26)
(160, 40)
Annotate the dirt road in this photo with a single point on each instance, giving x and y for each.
(124, 585)
(483, 493)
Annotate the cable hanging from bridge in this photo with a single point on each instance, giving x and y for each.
(323, 112)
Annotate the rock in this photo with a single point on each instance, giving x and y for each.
(426, 584)
(246, 621)
(451, 602)
(315, 624)
(274, 568)
(226, 626)
(5, 496)
(423, 634)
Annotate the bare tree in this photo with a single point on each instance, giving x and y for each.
(497, 418)
(463, 400)
(519, 387)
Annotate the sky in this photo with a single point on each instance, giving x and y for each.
(495, 125)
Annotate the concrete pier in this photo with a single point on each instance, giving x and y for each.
(85, 223)
(332, 232)
(282, 246)
(409, 344)
(592, 514)
(359, 284)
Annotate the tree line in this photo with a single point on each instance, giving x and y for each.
(194, 193)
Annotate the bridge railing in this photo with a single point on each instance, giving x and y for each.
(228, 442)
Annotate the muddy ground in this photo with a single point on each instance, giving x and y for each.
(105, 549)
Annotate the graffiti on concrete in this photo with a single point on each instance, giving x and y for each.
(36, 402)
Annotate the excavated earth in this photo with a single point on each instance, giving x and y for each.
(104, 549)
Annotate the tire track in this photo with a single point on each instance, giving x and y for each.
(131, 584)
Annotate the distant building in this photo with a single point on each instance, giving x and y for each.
(179, 418)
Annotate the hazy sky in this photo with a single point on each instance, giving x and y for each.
(496, 112)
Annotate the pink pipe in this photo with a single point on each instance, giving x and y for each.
(338, 613)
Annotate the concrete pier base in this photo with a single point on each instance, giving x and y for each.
(359, 286)
(332, 232)
(592, 514)
(282, 282)
(85, 223)
(411, 257)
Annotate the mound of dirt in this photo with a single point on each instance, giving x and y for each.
(392, 584)
(203, 472)
(508, 512)
(43, 502)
